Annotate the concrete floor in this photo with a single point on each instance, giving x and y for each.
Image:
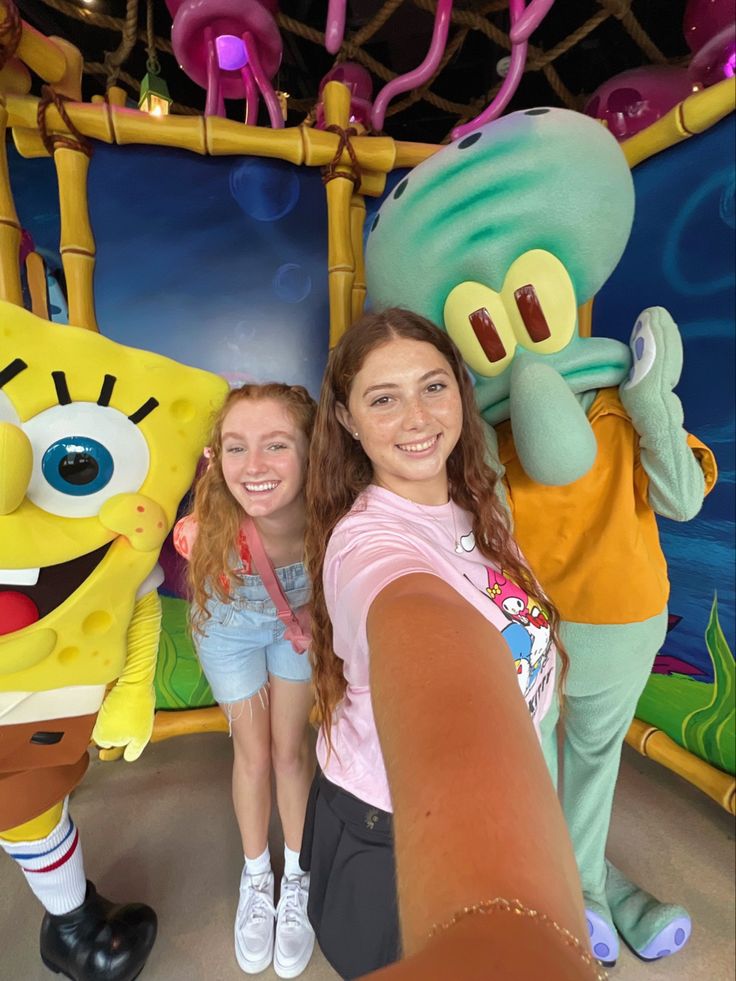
(161, 831)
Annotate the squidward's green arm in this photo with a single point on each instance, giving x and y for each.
(679, 474)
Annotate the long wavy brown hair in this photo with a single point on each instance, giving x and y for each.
(214, 562)
(339, 470)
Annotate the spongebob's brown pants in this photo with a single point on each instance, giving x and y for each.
(40, 763)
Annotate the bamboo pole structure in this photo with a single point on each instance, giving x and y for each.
(357, 222)
(340, 258)
(36, 276)
(10, 230)
(167, 724)
(77, 242)
(216, 136)
(54, 59)
(695, 114)
(657, 745)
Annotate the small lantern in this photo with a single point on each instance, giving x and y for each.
(154, 98)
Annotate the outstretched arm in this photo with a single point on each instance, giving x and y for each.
(476, 816)
(681, 469)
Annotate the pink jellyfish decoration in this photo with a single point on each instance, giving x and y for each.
(634, 99)
(360, 85)
(524, 21)
(232, 49)
(709, 27)
(334, 34)
(420, 75)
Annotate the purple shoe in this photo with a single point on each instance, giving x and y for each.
(669, 940)
(604, 941)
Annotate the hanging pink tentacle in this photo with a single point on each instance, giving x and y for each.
(529, 20)
(510, 83)
(252, 96)
(335, 29)
(214, 106)
(419, 75)
(263, 83)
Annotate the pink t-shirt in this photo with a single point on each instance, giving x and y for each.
(385, 537)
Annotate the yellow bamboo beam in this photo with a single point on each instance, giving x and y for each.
(15, 78)
(357, 222)
(54, 59)
(10, 230)
(695, 114)
(36, 277)
(166, 725)
(340, 259)
(377, 155)
(657, 745)
(77, 242)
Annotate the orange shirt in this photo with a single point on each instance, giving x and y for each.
(594, 544)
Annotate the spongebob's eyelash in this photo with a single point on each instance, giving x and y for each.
(62, 389)
(11, 370)
(108, 382)
(148, 406)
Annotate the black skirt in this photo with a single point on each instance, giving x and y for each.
(348, 849)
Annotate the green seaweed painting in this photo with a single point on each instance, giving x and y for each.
(709, 731)
(179, 681)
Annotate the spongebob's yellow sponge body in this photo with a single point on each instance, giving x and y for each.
(98, 444)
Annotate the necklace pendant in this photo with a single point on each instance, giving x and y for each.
(459, 549)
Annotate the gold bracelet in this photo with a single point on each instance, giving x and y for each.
(515, 906)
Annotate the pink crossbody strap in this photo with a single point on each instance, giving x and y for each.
(296, 630)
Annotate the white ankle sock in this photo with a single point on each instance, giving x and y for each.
(291, 863)
(257, 866)
(53, 866)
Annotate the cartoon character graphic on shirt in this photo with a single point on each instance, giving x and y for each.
(521, 610)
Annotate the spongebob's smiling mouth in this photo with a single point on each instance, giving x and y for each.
(29, 595)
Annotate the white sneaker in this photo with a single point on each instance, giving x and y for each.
(294, 933)
(254, 922)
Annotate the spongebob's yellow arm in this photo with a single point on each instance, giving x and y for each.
(126, 716)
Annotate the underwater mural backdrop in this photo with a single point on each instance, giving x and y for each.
(682, 255)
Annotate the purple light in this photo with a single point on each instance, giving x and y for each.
(729, 69)
(232, 54)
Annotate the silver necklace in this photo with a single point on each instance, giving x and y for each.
(456, 538)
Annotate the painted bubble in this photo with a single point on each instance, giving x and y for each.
(266, 190)
(292, 283)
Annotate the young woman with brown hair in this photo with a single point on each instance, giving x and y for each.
(416, 583)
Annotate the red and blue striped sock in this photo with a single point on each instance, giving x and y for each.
(53, 866)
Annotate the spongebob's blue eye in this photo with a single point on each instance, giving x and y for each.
(77, 465)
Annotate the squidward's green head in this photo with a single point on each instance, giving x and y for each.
(500, 237)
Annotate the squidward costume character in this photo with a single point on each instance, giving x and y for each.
(501, 237)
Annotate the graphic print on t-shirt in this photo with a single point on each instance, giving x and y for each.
(527, 633)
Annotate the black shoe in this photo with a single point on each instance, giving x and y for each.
(99, 940)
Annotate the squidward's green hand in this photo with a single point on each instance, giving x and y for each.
(676, 481)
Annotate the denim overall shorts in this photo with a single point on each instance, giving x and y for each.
(243, 640)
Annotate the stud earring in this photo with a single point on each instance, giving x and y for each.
(355, 435)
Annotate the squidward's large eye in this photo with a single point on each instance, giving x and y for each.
(77, 465)
(84, 454)
(478, 323)
(540, 299)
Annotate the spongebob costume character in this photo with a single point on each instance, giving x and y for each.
(500, 237)
(98, 443)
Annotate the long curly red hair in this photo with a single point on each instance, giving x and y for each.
(339, 470)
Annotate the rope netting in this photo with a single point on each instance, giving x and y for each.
(469, 22)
